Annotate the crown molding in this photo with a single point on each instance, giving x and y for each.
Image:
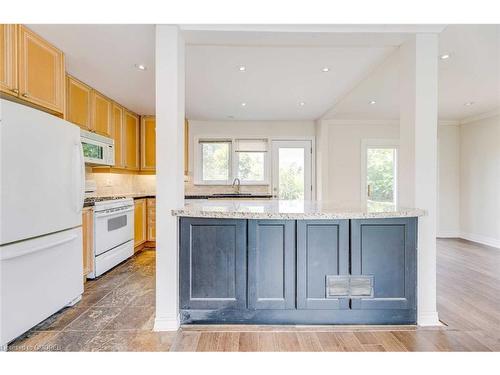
(359, 122)
(481, 116)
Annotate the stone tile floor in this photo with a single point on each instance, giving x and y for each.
(116, 313)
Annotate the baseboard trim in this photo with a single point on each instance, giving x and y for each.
(449, 234)
(488, 241)
(428, 319)
(167, 324)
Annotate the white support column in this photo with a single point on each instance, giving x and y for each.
(418, 158)
(322, 152)
(169, 171)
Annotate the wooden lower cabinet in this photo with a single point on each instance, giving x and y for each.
(298, 271)
(140, 217)
(271, 264)
(88, 240)
(151, 208)
(385, 250)
(213, 264)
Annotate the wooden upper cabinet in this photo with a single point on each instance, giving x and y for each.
(131, 140)
(41, 71)
(117, 116)
(148, 143)
(8, 59)
(78, 103)
(101, 114)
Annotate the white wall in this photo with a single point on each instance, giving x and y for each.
(480, 181)
(448, 181)
(339, 155)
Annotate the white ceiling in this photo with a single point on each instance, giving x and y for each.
(471, 74)
(103, 56)
(283, 68)
(276, 80)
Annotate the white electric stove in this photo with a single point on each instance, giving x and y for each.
(113, 232)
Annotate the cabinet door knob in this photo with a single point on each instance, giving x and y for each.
(15, 91)
(26, 95)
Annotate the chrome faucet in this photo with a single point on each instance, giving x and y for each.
(237, 183)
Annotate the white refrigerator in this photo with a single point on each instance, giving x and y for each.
(42, 178)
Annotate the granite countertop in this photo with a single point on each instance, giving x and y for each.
(290, 210)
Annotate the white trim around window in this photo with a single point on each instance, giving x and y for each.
(233, 161)
(378, 143)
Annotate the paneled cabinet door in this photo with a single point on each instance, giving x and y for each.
(118, 135)
(151, 219)
(131, 140)
(148, 143)
(212, 264)
(271, 264)
(8, 59)
(88, 240)
(386, 250)
(101, 114)
(139, 221)
(78, 103)
(322, 250)
(41, 71)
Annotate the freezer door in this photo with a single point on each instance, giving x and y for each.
(38, 277)
(42, 173)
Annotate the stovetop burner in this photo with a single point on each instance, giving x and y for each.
(90, 201)
(100, 199)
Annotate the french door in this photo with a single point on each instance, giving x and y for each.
(292, 170)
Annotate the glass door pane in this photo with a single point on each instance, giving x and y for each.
(381, 175)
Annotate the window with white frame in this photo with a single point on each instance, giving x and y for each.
(251, 160)
(215, 161)
(221, 160)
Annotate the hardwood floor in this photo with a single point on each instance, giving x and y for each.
(117, 312)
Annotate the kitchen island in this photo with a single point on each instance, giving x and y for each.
(297, 262)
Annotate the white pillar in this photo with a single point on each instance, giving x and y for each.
(418, 158)
(169, 171)
(322, 152)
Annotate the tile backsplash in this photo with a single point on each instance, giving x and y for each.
(118, 183)
(190, 188)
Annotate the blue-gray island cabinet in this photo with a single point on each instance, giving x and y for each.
(272, 271)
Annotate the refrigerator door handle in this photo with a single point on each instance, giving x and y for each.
(80, 178)
(16, 253)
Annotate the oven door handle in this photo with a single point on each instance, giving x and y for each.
(117, 212)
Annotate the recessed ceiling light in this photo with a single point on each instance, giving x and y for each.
(325, 69)
(140, 66)
(468, 104)
(302, 104)
(445, 56)
(243, 104)
(242, 68)
(373, 102)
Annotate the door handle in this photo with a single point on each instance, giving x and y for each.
(369, 190)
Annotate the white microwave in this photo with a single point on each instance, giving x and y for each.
(97, 149)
